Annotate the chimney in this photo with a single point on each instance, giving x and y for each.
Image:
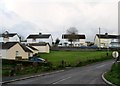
(106, 34)
(6, 33)
(40, 33)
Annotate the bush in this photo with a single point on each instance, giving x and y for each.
(6, 72)
(24, 67)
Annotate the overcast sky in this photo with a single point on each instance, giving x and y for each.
(56, 16)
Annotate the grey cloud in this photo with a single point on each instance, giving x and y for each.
(57, 16)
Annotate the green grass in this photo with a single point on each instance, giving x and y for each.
(114, 74)
(73, 57)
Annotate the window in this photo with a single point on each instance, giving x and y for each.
(29, 54)
(34, 40)
(16, 39)
(81, 44)
(17, 53)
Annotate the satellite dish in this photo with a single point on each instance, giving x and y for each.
(115, 54)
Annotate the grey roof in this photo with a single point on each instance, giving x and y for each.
(32, 48)
(8, 45)
(38, 44)
(25, 48)
(115, 42)
(8, 35)
(39, 36)
(77, 36)
(107, 36)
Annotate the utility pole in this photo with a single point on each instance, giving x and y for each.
(99, 40)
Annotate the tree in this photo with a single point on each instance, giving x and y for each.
(21, 37)
(57, 41)
(72, 32)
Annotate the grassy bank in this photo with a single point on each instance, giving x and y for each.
(75, 57)
(114, 74)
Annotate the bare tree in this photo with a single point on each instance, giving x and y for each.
(21, 37)
(57, 41)
(72, 32)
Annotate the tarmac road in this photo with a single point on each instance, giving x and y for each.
(90, 74)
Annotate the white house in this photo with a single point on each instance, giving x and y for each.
(9, 37)
(37, 38)
(15, 50)
(79, 40)
(42, 47)
(105, 40)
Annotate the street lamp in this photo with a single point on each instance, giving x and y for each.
(99, 39)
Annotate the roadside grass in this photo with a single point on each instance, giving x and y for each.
(114, 74)
(74, 57)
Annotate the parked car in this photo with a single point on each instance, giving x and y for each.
(94, 47)
(36, 59)
(83, 47)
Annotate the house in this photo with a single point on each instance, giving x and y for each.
(15, 50)
(36, 38)
(106, 40)
(42, 47)
(79, 40)
(34, 50)
(89, 43)
(9, 37)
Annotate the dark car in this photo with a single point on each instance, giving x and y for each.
(83, 47)
(36, 59)
(94, 47)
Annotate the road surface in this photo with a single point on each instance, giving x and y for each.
(90, 74)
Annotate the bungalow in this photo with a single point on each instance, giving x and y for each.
(15, 50)
(36, 38)
(105, 40)
(79, 40)
(42, 47)
(9, 37)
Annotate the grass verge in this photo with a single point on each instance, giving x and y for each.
(75, 58)
(114, 74)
